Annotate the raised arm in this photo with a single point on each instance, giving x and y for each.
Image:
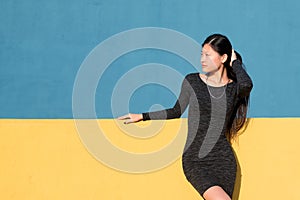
(178, 108)
(243, 79)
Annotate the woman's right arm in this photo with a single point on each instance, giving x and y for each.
(175, 112)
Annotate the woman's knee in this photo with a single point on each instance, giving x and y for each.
(216, 193)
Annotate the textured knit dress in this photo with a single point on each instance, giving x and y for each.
(208, 159)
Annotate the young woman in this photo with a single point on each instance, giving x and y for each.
(218, 103)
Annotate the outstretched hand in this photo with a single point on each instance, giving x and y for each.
(233, 57)
(131, 118)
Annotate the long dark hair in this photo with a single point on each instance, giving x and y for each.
(238, 121)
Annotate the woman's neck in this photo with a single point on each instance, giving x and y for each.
(218, 77)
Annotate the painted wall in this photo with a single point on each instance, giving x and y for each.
(43, 44)
(45, 159)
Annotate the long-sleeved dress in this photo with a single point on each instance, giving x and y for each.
(208, 159)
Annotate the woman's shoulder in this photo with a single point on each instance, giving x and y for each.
(192, 75)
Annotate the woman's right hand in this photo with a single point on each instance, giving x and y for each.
(131, 118)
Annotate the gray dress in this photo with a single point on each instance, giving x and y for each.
(208, 159)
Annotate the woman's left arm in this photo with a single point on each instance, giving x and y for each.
(244, 81)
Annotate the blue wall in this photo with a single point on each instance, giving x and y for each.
(43, 44)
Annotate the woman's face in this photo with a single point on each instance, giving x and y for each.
(211, 60)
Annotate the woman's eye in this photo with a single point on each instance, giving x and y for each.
(205, 54)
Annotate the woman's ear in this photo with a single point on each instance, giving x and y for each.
(224, 58)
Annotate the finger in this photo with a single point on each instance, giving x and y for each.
(124, 117)
(128, 121)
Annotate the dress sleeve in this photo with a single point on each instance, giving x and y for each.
(243, 79)
(177, 110)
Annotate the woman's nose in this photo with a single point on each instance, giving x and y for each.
(202, 59)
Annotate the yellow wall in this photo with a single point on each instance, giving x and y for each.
(45, 159)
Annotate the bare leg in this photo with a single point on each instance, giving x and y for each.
(215, 193)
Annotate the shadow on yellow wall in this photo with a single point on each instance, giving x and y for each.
(238, 180)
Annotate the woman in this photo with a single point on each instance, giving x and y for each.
(218, 103)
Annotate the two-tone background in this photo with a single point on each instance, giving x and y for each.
(43, 46)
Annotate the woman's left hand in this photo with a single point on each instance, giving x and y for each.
(233, 57)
